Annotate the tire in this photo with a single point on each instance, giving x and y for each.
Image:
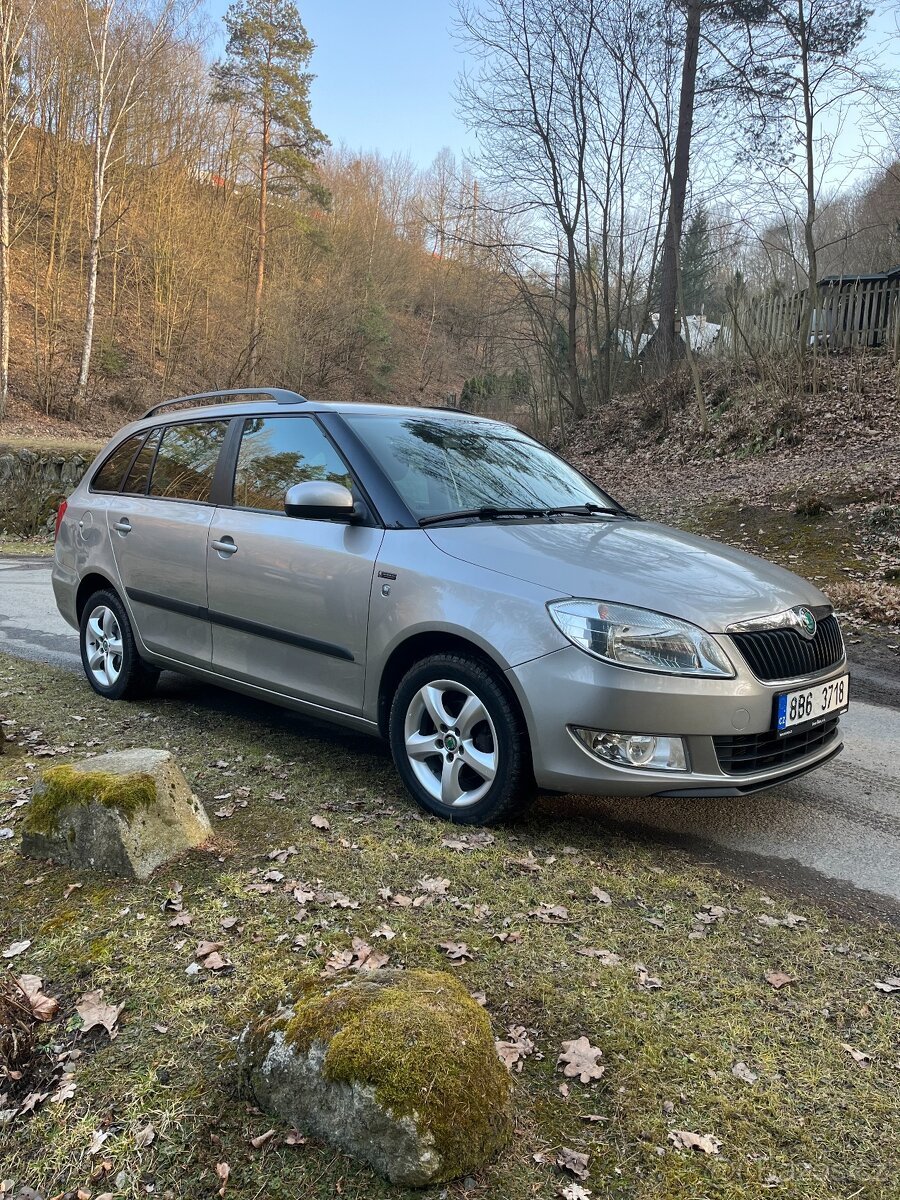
(118, 671)
(472, 767)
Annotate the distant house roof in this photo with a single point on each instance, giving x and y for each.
(876, 277)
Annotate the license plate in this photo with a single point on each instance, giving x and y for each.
(811, 705)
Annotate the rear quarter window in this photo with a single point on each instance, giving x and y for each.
(186, 461)
(109, 477)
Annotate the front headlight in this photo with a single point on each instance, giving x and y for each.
(640, 639)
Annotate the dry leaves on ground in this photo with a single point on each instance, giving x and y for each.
(43, 1007)
(778, 979)
(550, 913)
(15, 948)
(606, 958)
(741, 1071)
(93, 1012)
(457, 952)
(515, 1049)
(145, 1136)
(574, 1162)
(319, 822)
(890, 984)
(579, 1060)
(222, 1172)
(858, 1056)
(683, 1139)
(645, 980)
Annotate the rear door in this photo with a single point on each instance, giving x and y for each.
(158, 527)
(289, 597)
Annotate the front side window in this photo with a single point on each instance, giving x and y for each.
(276, 453)
(455, 465)
(109, 477)
(186, 462)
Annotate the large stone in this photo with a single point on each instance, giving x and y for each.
(124, 813)
(397, 1068)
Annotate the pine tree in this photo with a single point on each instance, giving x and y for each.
(696, 262)
(265, 74)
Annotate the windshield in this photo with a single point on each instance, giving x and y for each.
(455, 465)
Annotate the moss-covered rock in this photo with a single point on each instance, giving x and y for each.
(124, 813)
(395, 1067)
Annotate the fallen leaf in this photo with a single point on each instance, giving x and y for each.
(515, 1049)
(98, 1137)
(574, 1191)
(457, 952)
(434, 886)
(778, 979)
(384, 931)
(508, 936)
(181, 918)
(579, 1060)
(70, 888)
(573, 1161)
(605, 957)
(858, 1056)
(601, 896)
(43, 1007)
(295, 1139)
(366, 958)
(890, 984)
(318, 822)
(645, 980)
(65, 1090)
(549, 913)
(204, 949)
(215, 962)
(262, 1139)
(145, 1136)
(683, 1139)
(228, 922)
(740, 1070)
(15, 948)
(93, 1012)
(223, 1171)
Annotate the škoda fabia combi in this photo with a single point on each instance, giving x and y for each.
(448, 583)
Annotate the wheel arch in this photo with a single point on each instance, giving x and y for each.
(94, 582)
(423, 645)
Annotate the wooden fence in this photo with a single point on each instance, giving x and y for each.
(848, 313)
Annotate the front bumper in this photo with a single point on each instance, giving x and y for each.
(568, 688)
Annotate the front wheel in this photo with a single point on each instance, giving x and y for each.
(108, 652)
(459, 742)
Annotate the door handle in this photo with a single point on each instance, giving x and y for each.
(122, 526)
(225, 547)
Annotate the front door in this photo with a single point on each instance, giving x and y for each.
(289, 597)
(159, 538)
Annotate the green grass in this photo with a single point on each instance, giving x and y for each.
(41, 546)
(816, 1122)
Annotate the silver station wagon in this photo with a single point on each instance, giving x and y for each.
(448, 583)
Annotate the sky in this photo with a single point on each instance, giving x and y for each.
(385, 74)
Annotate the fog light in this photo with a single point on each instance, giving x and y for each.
(649, 751)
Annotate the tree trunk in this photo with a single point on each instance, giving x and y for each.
(809, 220)
(576, 400)
(256, 331)
(4, 279)
(93, 272)
(668, 281)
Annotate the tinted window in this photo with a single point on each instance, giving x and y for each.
(109, 477)
(444, 465)
(187, 459)
(136, 480)
(276, 453)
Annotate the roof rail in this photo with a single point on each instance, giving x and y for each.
(279, 395)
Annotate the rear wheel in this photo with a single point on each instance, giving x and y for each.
(108, 652)
(459, 742)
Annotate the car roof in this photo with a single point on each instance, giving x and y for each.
(271, 407)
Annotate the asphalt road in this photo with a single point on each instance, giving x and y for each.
(836, 827)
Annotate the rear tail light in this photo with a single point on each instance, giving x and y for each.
(60, 513)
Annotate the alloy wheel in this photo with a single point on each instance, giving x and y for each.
(451, 743)
(103, 643)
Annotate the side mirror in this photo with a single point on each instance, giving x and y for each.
(319, 500)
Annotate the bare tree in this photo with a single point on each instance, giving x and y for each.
(124, 44)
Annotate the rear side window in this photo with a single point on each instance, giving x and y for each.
(187, 459)
(136, 481)
(109, 477)
(276, 453)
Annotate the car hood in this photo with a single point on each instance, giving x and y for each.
(633, 562)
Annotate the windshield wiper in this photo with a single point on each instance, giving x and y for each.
(581, 510)
(487, 513)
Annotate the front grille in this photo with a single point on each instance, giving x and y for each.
(748, 752)
(784, 654)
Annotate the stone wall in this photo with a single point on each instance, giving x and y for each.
(32, 483)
